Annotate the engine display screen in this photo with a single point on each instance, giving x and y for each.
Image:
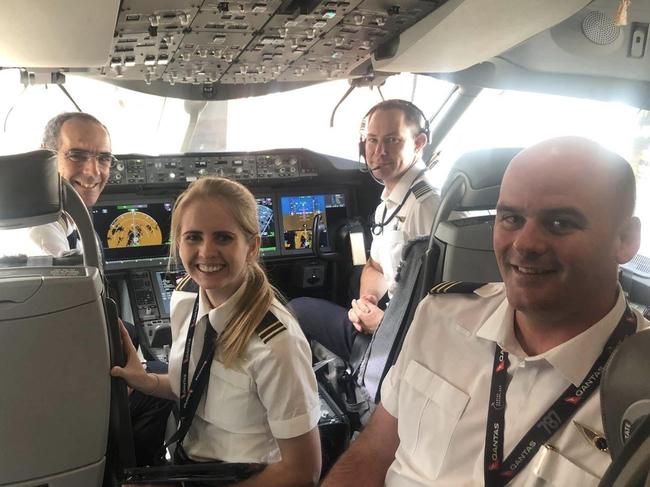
(266, 219)
(166, 282)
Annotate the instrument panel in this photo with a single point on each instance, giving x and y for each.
(133, 169)
(135, 231)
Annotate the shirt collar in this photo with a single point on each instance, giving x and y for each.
(397, 194)
(574, 358)
(500, 328)
(221, 315)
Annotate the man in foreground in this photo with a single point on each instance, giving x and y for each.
(496, 387)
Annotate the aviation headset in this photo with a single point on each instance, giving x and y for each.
(411, 112)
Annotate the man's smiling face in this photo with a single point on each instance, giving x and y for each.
(90, 177)
(557, 234)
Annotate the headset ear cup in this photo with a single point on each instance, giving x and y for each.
(362, 149)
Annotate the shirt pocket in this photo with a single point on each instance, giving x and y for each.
(550, 468)
(429, 410)
(232, 403)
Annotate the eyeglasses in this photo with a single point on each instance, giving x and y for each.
(80, 156)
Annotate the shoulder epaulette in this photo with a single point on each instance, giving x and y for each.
(455, 287)
(269, 327)
(422, 189)
(187, 285)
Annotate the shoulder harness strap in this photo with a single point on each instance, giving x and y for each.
(455, 287)
(187, 285)
(422, 189)
(269, 327)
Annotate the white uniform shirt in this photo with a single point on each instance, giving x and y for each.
(439, 391)
(48, 239)
(51, 238)
(414, 219)
(269, 393)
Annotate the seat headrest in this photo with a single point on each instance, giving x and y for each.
(482, 171)
(625, 390)
(30, 189)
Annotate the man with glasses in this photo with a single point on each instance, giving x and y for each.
(84, 158)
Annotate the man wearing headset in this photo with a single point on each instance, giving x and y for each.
(393, 134)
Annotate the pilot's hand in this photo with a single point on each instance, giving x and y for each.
(133, 371)
(364, 314)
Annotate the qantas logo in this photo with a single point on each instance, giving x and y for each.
(495, 446)
(527, 450)
(572, 399)
(502, 362)
(592, 381)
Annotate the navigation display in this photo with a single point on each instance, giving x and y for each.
(166, 282)
(298, 214)
(265, 217)
(133, 230)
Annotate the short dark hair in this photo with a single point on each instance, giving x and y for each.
(52, 131)
(413, 116)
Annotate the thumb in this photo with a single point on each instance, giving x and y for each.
(117, 371)
(371, 298)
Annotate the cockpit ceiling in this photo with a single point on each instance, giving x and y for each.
(587, 55)
(211, 49)
(212, 45)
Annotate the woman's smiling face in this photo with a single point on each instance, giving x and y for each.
(214, 249)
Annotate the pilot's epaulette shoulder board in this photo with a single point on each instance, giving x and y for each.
(455, 287)
(422, 189)
(269, 327)
(187, 285)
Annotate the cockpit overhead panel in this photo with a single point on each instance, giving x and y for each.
(217, 46)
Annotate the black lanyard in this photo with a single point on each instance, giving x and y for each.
(189, 398)
(378, 228)
(499, 472)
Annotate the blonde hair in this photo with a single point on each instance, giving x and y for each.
(258, 293)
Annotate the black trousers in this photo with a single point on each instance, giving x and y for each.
(148, 416)
(327, 323)
(148, 420)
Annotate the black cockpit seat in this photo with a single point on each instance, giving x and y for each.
(58, 340)
(459, 250)
(625, 402)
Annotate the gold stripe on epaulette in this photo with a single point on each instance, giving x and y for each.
(443, 287)
(181, 284)
(272, 335)
(421, 188)
(272, 330)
